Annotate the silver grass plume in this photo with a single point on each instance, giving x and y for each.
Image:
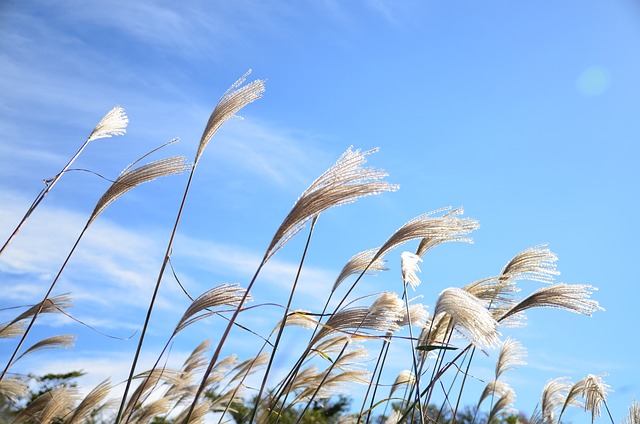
(553, 395)
(194, 363)
(61, 341)
(145, 413)
(595, 394)
(468, 312)
(517, 320)
(299, 318)
(131, 178)
(11, 329)
(332, 344)
(437, 229)
(234, 99)
(90, 403)
(394, 417)
(494, 387)
(382, 316)
(113, 123)
(572, 398)
(410, 266)
(49, 406)
(417, 316)
(504, 404)
(149, 381)
(222, 369)
(634, 414)
(511, 356)
(198, 415)
(535, 264)
(248, 366)
(358, 264)
(428, 243)
(223, 295)
(13, 388)
(49, 305)
(493, 291)
(343, 183)
(570, 297)
(405, 378)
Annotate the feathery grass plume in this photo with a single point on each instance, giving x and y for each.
(223, 295)
(570, 297)
(595, 394)
(250, 365)
(428, 243)
(535, 264)
(197, 415)
(494, 387)
(517, 320)
(435, 229)
(571, 399)
(113, 123)
(13, 388)
(149, 379)
(49, 305)
(494, 291)
(49, 407)
(345, 182)
(62, 341)
(468, 312)
(382, 316)
(221, 369)
(359, 263)
(511, 356)
(145, 413)
(11, 329)
(299, 318)
(234, 99)
(394, 417)
(91, 402)
(131, 178)
(417, 316)
(405, 378)
(504, 404)
(553, 395)
(634, 414)
(409, 267)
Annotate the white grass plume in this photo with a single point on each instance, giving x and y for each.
(383, 316)
(448, 227)
(360, 263)
(223, 295)
(595, 394)
(343, 183)
(234, 99)
(62, 341)
(511, 356)
(535, 264)
(468, 312)
(409, 264)
(634, 413)
(569, 297)
(113, 123)
(131, 178)
(91, 402)
(429, 242)
(405, 378)
(13, 388)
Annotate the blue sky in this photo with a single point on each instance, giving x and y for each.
(524, 113)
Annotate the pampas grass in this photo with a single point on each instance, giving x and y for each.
(350, 340)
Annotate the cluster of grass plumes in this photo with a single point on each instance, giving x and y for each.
(349, 340)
